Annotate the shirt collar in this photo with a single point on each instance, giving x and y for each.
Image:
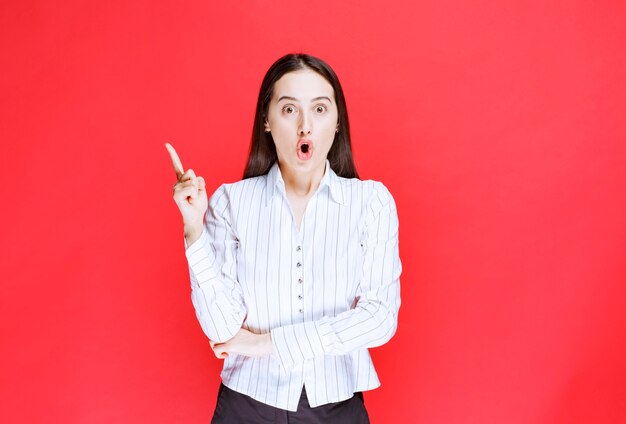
(275, 182)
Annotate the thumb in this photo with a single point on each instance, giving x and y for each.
(220, 351)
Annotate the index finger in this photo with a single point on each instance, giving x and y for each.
(178, 165)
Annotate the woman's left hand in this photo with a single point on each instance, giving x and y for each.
(244, 343)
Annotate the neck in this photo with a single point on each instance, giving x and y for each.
(302, 183)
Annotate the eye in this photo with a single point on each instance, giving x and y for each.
(320, 108)
(288, 109)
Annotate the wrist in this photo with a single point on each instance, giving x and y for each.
(192, 233)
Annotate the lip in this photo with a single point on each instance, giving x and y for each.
(302, 141)
(309, 152)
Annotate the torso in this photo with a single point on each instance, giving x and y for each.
(286, 279)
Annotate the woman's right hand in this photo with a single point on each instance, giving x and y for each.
(190, 197)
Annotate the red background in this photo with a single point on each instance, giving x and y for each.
(497, 126)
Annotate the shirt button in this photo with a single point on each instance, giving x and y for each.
(299, 280)
(298, 264)
(300, 296)
(298, 248)
(301, 311)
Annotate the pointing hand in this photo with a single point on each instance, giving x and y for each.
(190, 197)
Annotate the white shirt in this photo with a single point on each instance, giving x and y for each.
(326, 293)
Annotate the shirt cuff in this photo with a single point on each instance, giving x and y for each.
(199, 258)
(296, 343)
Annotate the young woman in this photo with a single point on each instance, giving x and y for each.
(294, 269)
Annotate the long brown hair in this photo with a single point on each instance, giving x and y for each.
(262, 149)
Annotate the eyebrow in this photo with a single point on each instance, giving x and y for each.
(294, 99)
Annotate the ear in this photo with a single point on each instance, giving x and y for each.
(267, 127)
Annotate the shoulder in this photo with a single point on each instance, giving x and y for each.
(243, 192)
(372, 193)
(249, 185)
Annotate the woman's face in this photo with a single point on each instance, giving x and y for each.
(302, 117)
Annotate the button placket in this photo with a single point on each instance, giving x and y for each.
(299, 289)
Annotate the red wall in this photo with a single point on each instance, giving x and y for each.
(498, 126)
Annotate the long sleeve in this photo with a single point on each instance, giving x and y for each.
(373, 321)
(215, 292)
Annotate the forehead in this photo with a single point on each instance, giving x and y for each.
(303, 84)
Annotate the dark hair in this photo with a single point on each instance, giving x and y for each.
(262, 149)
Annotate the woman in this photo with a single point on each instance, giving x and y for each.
(294, 269)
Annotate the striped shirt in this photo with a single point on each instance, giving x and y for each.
(326, 292)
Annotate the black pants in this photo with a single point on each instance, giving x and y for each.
(236, 408)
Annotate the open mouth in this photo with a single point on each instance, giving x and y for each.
(305, 149)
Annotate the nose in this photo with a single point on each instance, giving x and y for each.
(304, 126)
